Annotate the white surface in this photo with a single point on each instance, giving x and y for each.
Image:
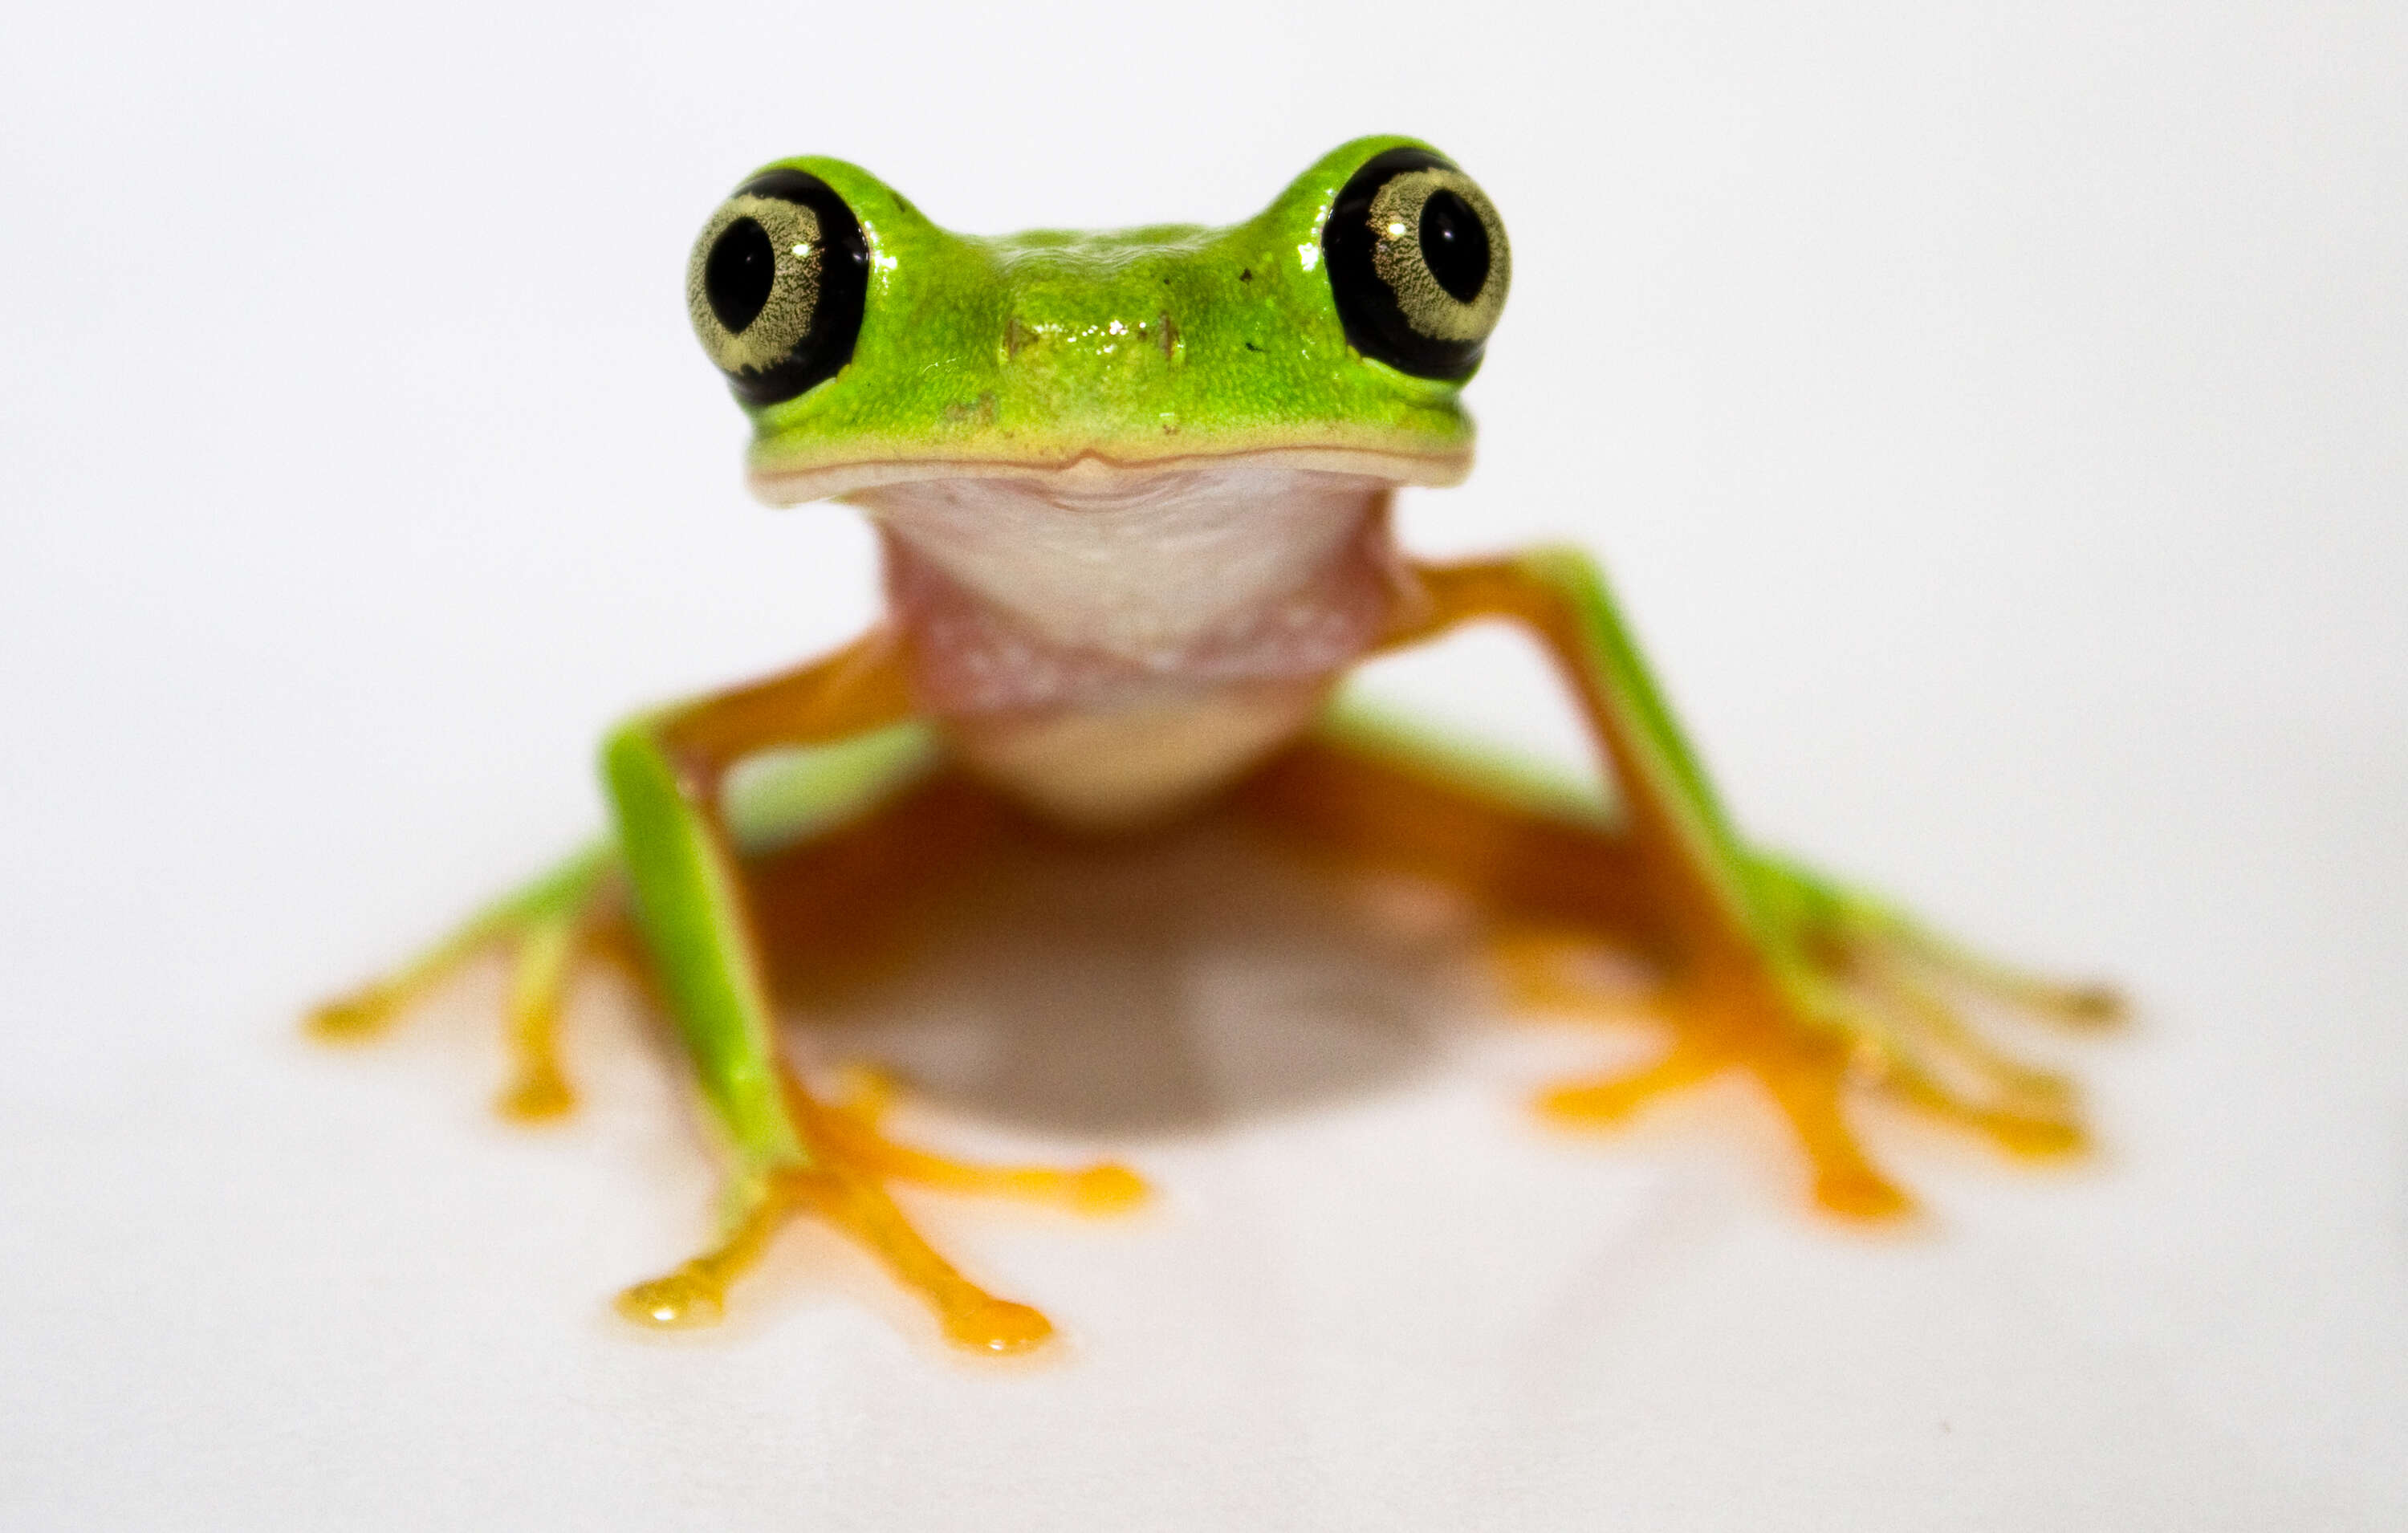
(1995, 415)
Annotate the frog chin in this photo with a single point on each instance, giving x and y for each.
(1146, 569)
(1105, 469)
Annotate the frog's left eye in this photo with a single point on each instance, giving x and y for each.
(776, 284)
(1418, 263)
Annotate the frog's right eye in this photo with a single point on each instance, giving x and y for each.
(1418, 263)
(776, 284)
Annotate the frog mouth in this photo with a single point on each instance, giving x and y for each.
(1095, 471)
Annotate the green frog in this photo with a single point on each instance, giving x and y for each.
(1133, 490)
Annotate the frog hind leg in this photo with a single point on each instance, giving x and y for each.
(546, 927)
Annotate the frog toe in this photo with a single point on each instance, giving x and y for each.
(548, 929)
(1816, 1035)
(845, 1184)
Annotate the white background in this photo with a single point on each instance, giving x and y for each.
(1997, 417)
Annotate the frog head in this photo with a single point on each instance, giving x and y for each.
(1332, 332)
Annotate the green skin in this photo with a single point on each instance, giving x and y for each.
(1030, 352)
(1256, 358)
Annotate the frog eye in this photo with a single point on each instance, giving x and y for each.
(1418, 263)
(776, 285)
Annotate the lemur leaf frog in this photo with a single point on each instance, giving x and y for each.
(1133, 490)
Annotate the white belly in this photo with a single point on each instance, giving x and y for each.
(1116, 768)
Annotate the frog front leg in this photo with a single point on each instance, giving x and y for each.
(791, 1153)
(1777, 971)
(672, 890)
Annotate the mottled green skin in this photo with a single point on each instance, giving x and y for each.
(1132, 345)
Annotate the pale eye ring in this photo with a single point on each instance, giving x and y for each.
(777, 285)
(1418, 263)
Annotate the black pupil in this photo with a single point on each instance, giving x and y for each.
(1454, 245)
(741, 269)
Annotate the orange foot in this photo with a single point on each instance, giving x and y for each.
(846, 1185)
(1857, 1007)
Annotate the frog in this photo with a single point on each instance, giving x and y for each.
(1133, 493)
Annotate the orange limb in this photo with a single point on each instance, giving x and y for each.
(864, 686)
(1814, 1017)
(1731, 1001)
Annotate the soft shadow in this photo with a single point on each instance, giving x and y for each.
(1167, 986)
